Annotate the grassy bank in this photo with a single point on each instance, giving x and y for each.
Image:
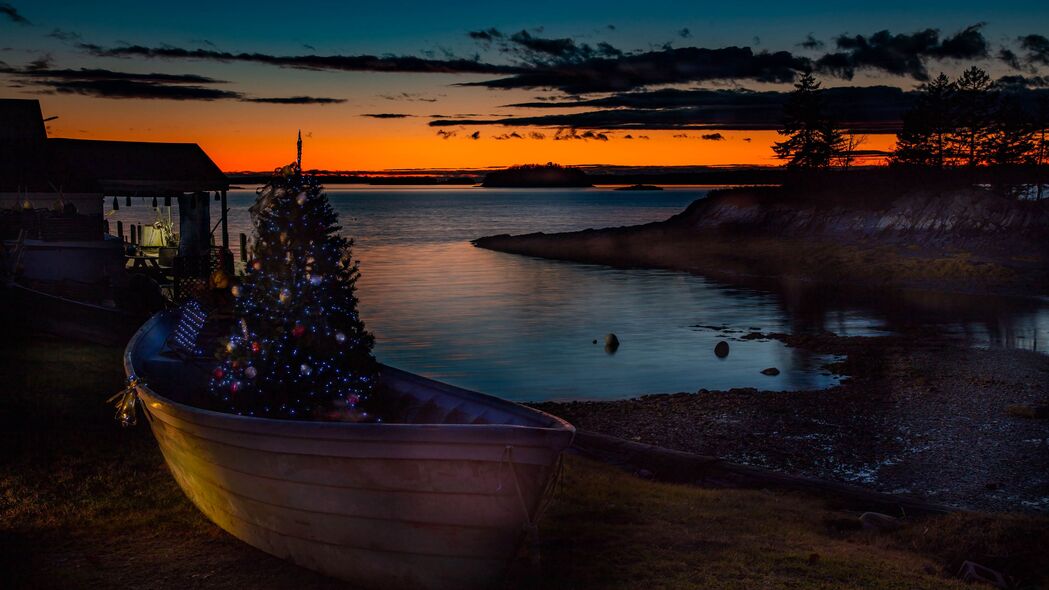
(84, 503)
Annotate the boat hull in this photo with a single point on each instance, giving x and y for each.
(382, 505)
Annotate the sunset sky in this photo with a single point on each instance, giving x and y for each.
(395, 85)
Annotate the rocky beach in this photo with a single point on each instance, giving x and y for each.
(918, 414)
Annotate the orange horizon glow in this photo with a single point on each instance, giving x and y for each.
(259, 139)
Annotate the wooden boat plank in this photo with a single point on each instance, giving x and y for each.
(392, 536)
(498, 509)
(366, 567)
(437, 476)
(422, 444)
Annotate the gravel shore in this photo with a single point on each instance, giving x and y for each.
(918, 414)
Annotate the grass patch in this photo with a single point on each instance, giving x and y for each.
(84, 503)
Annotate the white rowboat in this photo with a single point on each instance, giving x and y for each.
(441, 500)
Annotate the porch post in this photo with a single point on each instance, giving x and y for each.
(225, 223)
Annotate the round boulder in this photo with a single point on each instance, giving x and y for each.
(721, 349)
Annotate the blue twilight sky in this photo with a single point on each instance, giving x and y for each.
(390, 114)
(408, 27)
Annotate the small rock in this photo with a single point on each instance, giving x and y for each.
(879, 522)
(595, 341)
(611, 340)
(771, 371)
(974, 572)
(721, 349)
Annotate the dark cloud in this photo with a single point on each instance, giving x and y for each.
(514, 135)
(568, 134)
(811, 42)
(475, 135)
(1009, 57)
(1013, 83)
(295, 100)
(346, 63)
(387, 115)
(680, 136)
(33, 70)
(665, 66)
(537, 135)
(408, 96)
(488, 35)
(12, 14)
(684, 33)
(102, 83)
(118, 88)
(870, 109)
(712, 137)
(66, 36)
(1037, 47)
(445, 134)
(902, 54)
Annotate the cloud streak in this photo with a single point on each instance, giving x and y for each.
(104, 83)
(345, 63)
(870, 109)
(12, 14)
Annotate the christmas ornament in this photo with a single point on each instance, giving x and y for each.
(285, 295)
(219, 280)
(235, 290)
(250, 372)
(305, 369)
(340, 337)
(298, 330)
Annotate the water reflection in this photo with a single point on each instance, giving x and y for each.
(525, 328)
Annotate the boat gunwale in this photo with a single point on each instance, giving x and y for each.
(316, 429)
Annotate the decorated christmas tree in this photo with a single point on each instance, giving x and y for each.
(298, 348)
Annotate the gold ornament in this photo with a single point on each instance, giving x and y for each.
(219, 280)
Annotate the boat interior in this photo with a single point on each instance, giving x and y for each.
(167, 367)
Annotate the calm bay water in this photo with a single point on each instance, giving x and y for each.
(524, 328)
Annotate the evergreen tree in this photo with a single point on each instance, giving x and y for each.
(1011, 140)
(298, 348)
(974, 103)
(925, 138)
(812, 139)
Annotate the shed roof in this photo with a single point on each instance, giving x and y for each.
(133, 166)
(29, 160)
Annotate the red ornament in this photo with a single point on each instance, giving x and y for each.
(218, 372)
(255, 346)
(298, 330)
(234, 387)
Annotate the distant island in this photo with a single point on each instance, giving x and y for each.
(538, 176)
(640, 187)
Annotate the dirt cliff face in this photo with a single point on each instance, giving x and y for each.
(961, 218)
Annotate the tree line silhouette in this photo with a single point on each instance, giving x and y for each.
(966, 123)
